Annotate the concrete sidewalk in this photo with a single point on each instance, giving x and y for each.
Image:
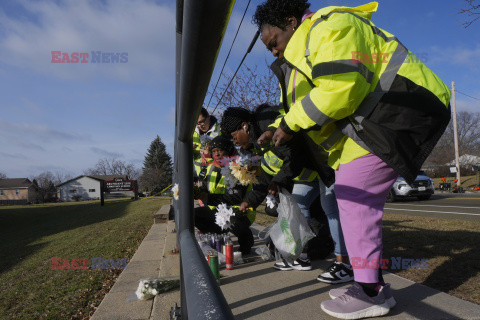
(153, 259)
(254, 290)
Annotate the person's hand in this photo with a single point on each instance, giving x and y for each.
(265, 137)
(203, 196)
(244, 206)
(272, 188)
(280, 137)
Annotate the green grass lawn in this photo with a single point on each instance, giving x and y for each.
(31, 235)
(452, 248)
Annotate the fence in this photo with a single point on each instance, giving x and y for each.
(199, 32)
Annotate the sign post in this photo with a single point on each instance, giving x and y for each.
(118, 185)
(102, 195)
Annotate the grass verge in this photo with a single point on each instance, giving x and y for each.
(450, 247)
(31, 235)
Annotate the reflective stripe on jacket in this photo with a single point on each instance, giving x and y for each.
(272, 164)
(363, 90)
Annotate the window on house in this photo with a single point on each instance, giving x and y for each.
(73, 190)
(1, 193)
(17, 191)
(91, 190)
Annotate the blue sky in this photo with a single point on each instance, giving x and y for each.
(65, 117)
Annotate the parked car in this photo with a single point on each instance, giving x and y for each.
(422, 188)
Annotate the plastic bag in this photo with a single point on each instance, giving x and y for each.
(291, 231)
(264, 253)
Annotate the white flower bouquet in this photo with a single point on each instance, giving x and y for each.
(148, 288)
(271, 201)
(240, 171)
(176, 191)
(224, 216)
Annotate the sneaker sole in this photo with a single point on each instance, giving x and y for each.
(282, 268)
(334, 281)
(373, 311)
(300, 268)
(391, 302)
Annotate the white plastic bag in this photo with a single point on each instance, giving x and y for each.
(264, 253)
(291, 231)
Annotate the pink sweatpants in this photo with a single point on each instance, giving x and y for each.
(361, 187)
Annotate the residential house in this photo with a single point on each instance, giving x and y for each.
(84, 187)
(17, 191)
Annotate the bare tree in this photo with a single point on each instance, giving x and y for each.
(472, 11)
(468, 141)
(249, 89)
(45, 185)
(3, 175)
(61, 177)
(114, 167)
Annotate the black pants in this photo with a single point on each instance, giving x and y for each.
(205, 222)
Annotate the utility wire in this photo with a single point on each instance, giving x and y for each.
(254, 40)
(467, 95)
(228, 55)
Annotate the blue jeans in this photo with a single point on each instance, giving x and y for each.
(305, 193)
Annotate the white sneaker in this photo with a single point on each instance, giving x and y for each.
(338, 272)
(299, 264)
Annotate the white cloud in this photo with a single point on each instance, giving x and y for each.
(105, 153)
(466, 104)
(461, 56)
(143, 29)
(13, 155)
(38, 132)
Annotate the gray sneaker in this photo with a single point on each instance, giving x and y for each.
(356, 304)
(335, 293)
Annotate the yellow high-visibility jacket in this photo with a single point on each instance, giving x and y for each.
(357, 89)
(198, 162)
(219, 193)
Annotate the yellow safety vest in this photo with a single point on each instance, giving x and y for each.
(272, 164)
(342, 64)
(216, 185)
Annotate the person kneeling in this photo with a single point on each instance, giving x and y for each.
(218, 193)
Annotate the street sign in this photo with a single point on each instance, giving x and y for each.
(119, 185)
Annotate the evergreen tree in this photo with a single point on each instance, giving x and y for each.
(157, 167)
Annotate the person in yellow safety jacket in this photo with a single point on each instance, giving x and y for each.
(306, 192)
(367, 100)
(217, 192)
(279, 166)
(282, 166)
(207, 128)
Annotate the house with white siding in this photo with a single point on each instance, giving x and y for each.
(83, 187)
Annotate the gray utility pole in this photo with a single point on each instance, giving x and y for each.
(455, 133)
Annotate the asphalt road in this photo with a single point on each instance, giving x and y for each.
(464, 206)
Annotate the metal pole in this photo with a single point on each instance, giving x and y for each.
(203, 24)
(178, 59)
(455, 134)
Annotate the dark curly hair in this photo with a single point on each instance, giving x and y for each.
(259, 120)
(276, 12)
